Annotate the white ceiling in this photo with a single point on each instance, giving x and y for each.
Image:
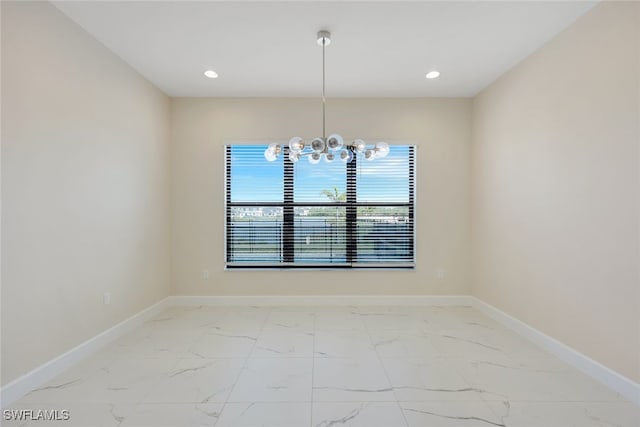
(268, 48)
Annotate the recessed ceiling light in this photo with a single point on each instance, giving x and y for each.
(433, 74)
(211, 74)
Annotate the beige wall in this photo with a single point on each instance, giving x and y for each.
(200, 128)
(555, 200)
(85, 181)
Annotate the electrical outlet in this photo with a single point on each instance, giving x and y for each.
(205, 274)
(440, 273)
(106, 298)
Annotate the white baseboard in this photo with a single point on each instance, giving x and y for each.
(596, 370)
(40, 375)
(323, 300)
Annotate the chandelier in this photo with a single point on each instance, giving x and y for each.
(331, 147)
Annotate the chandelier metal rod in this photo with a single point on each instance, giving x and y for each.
(324, 132)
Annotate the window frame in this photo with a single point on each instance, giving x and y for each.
(288, 206)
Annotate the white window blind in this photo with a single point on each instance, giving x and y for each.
(299, 215)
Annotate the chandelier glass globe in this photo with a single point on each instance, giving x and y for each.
(382, 149)
(314, 158)
(318, 145)
(335, 142)
(296, 144)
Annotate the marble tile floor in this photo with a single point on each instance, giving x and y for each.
(326, 367)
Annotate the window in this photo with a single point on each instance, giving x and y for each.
(286, 215)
